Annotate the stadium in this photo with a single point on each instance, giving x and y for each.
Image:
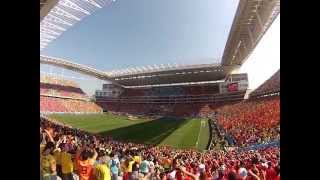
(168, 121)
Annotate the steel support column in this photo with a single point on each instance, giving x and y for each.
(260, 21)
(251, 37)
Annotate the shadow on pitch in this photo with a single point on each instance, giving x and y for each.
(150, 132)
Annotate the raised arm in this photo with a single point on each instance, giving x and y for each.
(254, 175)
(146, 177)
(49, 135)
(195, 177)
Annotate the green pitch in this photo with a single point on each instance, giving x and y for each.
(187, 133)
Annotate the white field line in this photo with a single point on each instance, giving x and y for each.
(203, 124)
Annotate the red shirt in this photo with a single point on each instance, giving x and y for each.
(85, 171)
(179, 175)
(271, 174)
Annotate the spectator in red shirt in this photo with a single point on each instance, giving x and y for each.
(270, 172)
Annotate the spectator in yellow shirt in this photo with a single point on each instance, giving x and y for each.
(137, 159)
(101, 170)
(66, 163)
(48, 163)
(130, 164)
(57, 157)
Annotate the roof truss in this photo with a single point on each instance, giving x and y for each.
(64, 15)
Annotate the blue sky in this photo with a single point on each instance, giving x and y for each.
(131, 33)
(144, 32)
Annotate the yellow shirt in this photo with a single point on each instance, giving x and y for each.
(46, 162)
(102, 172)
(57, 157)
(129, 168)
(66, 163)
(42, 146)
(137, 159)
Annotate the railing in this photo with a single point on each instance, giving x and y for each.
(48, 112)
(176, 99)
(64, 97)
(273, 92)
(228, 137)
(220, 132)
(274, 143)
(210, 134)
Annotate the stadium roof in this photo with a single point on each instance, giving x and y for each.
(170, 74)
(149, 75)
(252, 20)
(46, 6)
(63, 63)
(56, 16)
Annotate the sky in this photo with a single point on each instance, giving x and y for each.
(146, 32)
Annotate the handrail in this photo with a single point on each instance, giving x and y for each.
(264, 93)
(63, 97)
(177, 96)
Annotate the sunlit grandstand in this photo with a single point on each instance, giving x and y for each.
(64, 96)
(167, 121)
(270, 87)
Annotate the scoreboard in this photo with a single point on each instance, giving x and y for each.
(232, 87)
(234, 83)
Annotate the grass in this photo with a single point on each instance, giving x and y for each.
(186, 133)
(204, 135)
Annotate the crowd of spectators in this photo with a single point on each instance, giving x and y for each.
(61, 105)
(70, 153)
(167, 91)
(62, 91)
(54, 86)
(272, 84)
(217, 139)
(202, 89)
(251, 122)
(64, 96)
(46, 79)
